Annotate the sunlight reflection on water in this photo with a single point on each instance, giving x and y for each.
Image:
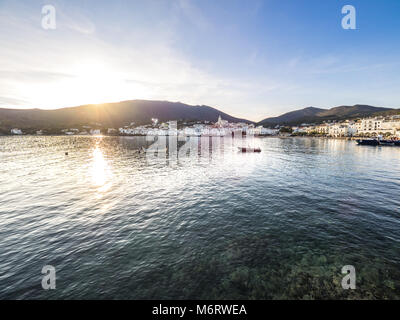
(100, 171)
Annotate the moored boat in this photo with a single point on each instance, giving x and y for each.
(368, 142)
(244, 149)
(378, 142)
(386, 142)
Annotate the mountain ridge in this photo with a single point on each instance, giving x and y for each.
(113, 115)
(118, 114)
(319, 115)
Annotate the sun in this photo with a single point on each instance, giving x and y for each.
(86, 82)
(96, 83)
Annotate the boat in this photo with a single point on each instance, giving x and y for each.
(368, 142)
(386, 142)
(378, 142)
(244, 149)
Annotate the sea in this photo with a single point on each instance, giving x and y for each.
(113, 220)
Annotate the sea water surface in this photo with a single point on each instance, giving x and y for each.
(280, 224)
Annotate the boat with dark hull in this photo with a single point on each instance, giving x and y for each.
(368, 142)
(378, 142)
(244, 149)
(386, 142)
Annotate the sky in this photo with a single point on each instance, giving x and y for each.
(252, 59)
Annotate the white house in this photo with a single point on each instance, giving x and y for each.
(339, 130)
(322, 128)
(392, 126)
(95, 132)
(16, 131)
(299, 130)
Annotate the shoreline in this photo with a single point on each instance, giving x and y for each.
(204, 136)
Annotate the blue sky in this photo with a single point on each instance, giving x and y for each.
(251, 59)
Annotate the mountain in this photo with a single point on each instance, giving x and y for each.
(317, 115)
(113, 115)
(302, 115)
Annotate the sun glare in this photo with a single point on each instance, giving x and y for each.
(100, 171)
(95, 83)
(85, 83)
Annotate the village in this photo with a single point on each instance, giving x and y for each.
(365, 127)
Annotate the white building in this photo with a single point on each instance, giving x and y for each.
(221, 123)
(299, 129)
(392, 126)
(95, 132)
(260, 130)
(339, 130)
(16, 131)
(322, 128)
(378, 126)
(270, 131)
(352, 129)
(369, 126)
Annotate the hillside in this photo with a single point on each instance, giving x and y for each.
(317, 115)
(303, 115)
(109, 115)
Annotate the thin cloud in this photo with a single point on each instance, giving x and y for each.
(10, 101)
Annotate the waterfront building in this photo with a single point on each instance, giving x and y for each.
(322, 128)
(392, 126)
(268, 131)
(369, 126)
(95, 132)
(299, 130)
(310, 129)
(260, 130)
(352, 128)
(334, 130)
(221, 123)
(341, 129)
(377, 126)
(16, 131)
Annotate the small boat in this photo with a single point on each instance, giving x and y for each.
(368, 142)
(387, 142)
(397, 143)
(244, 149)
